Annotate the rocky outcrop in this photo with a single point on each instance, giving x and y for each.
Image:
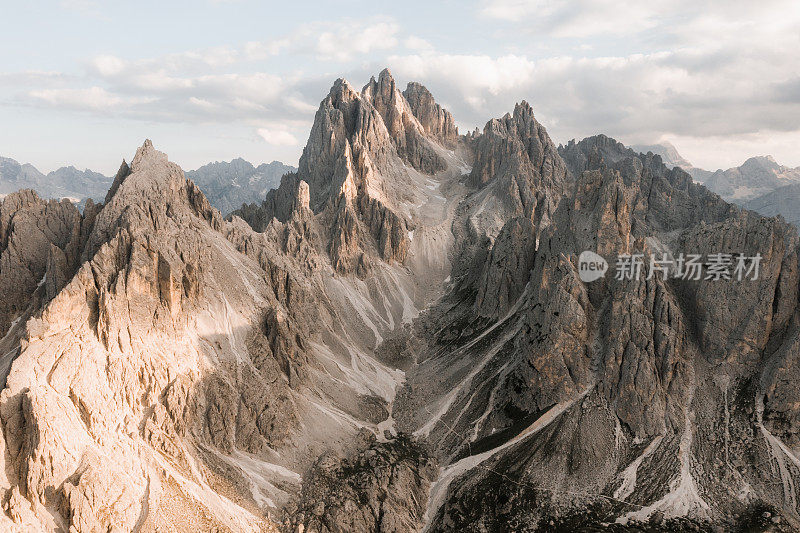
(354, 165)
(406, 131)
(504, 279)
(513, 142)
(37, 237)
(121, 343)
(437, 121)
(279, 204)
(175, 369)
(641, 378)
(382, 488)
(123, 172)
(520, 171)
(389, 230)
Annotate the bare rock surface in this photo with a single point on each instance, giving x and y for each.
(437, 121)
(399, 339)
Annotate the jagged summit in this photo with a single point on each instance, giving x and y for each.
(147, 155)
(519, 166)
(437, 121)
(365, 165)
(668, 152)
(122, 173)
(400, 340)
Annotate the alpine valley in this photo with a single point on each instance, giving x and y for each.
(397, 339)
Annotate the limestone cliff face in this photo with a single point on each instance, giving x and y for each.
(389, 309)
(520, 171)
(37, 238)
(643, 379)
(436, 121)
(517, 141)
(132, 389)
(181, 386)
(354, 166)
(405, 130)
(504, 280)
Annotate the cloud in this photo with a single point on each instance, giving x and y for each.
(348, 40)
(680, 69)
(471, 75)
(417, 44)
(176, 88)
(639, 97)
(581, 18)
(222, 83)
(91, 99)
(339, 41)
(666, 23)
(34, 77)
(639, 72)
(277, 137)
(108, 65)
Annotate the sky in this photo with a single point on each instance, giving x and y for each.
(84, 82)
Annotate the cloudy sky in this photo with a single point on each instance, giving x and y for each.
(83, 82)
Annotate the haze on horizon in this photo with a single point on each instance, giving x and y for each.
(83, 82)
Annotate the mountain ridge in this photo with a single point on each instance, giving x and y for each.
(398, 339)
(217, 179)
(756, 176)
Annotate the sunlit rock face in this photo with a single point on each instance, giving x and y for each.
(398, 339)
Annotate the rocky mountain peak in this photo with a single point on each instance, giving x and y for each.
(436, 120)
(594, 152)
(362, 163)
(382, 89)
(168, 369)
(122, 173)
(521, 134)
(341, 93)
(763, 162)
(147, 156)
(668, 152)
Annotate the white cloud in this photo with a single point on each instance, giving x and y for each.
(636, 97)
(91, 99)
(580, 18)
(468, 74)
(350, 39)
(725, 152)
(640, 72)
(108, 65)
(202, 103)
(277, 137)
(603, 18)
(417, 44)
(220, 83)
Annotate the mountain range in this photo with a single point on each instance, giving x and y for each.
(66, 182)
(755, 177)
(227, 185)
(399, 338)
